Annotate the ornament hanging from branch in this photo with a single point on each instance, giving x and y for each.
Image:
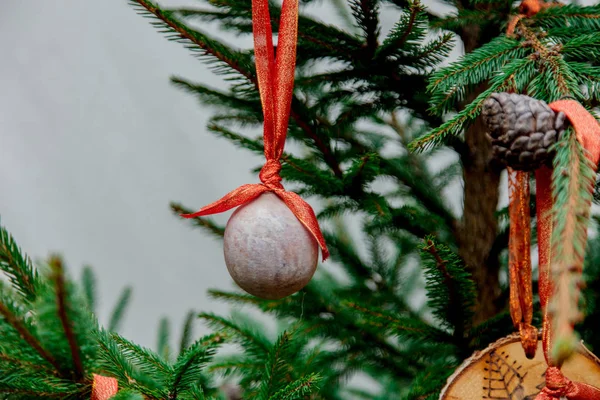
(524, 134)
(271, 242)
(503, 372)
(521, 125)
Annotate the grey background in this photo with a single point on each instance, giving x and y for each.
(95, 143)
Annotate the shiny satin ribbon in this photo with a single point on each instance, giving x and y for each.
(587, 132)
(103, 388)
(519, 260)
(275, 84)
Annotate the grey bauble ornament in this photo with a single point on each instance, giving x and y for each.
(522, 129)
(268, 252)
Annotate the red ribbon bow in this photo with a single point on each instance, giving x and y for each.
(275, 84)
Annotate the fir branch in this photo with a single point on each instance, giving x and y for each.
(144, 358)
(250, 339)
(186, 335)
(298, 389)
(215, 98)
(569, 15)
(411, 328)
(17, 266)
(186, 35)
(114, 362)
(473, 68)
(366, 15)
(164, 334)
(202, 222)
(56, 266)
(516, 75)
(450, 289)
(573, 177)
(17, 324)
(88, 281)
(409, 30)
(274, 368)
(187, 369)
(118, 312)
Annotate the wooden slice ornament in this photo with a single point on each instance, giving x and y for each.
(528, 365)
(503, 372)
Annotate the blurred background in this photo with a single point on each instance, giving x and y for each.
(94, 144)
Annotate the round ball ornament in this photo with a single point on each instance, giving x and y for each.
(503, 372)
(268, 252)
(272, 240)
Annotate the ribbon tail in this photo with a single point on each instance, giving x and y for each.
(521, 290)
(285, 65)
(586, 126)
(103, 388)
(239, 196)
(582, 391)
(305, 214)
(543, 179)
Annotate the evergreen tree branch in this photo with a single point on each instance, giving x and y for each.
(118, 312)
(186, 335)
(202, 222)
(89, 287)
(573, 177)
(28, 337)
(195, 37)
(298, 389)
(17, 266)
(56, 266)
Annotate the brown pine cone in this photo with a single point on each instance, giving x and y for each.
(522, 130)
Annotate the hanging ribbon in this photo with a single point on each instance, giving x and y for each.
(587, 132)
(275, 84)
(519, 260)
(103, 388)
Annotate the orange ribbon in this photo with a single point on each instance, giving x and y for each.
(275, 84)
(103, 388)
(519, 260)
(587, 132)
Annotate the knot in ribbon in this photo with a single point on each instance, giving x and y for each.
(275, 79)
(269, 175)
(557, 385)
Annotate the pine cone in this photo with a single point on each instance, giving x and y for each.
(522, 130)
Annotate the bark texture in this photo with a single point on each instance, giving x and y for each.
(479, 226)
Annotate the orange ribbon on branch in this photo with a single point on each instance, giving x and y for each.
(103, 388)
(275, 84)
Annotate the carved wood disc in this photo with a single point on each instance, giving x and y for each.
(502, 372)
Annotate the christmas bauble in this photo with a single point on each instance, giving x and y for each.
(268, 252)
(503, 372)
(522, 130)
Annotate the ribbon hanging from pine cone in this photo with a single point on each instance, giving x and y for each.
(275, 83)
(103, 388)
(587, 132)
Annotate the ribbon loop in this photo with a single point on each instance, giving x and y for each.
(275, 80)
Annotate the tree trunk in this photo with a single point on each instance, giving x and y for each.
(478, 229)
